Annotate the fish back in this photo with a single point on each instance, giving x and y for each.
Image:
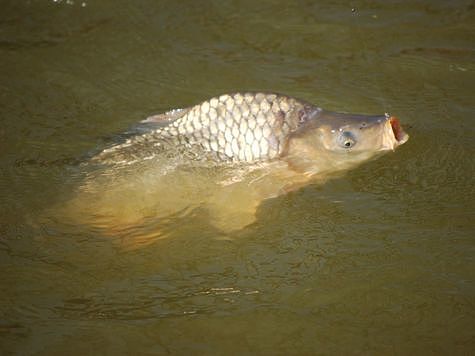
(239, 127)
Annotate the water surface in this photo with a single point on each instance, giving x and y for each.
(379, 261)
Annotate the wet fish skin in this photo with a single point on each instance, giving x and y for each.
(261, 127)
(239, 127)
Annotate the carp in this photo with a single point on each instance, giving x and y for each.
(226, 155)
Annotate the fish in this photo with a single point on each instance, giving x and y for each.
(226, 155)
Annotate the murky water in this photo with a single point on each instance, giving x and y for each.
(379, 261)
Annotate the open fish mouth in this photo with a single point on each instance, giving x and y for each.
(399, 134)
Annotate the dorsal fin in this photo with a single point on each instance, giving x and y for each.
(166, 117)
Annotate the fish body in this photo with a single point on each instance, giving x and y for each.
(289, 140)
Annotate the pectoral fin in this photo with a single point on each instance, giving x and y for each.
(229, 218)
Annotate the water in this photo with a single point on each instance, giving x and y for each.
(379, 261)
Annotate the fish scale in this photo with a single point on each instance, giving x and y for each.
(239, 127)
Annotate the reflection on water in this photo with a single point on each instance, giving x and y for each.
(378, 261)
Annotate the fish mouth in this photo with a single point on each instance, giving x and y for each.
(399, 134)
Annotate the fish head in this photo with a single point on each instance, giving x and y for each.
(330, 141)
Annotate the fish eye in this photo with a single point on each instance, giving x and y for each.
(346, 140)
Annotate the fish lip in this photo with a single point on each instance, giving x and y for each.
(400, 135)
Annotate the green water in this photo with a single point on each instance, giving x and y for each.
(380, 261)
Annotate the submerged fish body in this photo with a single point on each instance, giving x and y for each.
(289, 141)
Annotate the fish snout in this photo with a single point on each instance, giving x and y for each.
(394, 134)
